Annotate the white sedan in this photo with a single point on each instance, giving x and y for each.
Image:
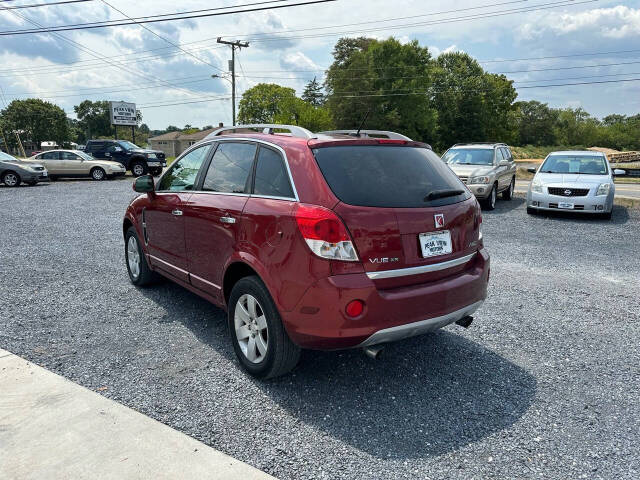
(576, 181)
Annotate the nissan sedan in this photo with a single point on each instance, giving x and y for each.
(575, 181)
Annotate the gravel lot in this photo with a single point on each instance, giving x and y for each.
(545, 383)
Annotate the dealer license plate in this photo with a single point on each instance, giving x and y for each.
(566, 205)
(435, 243)
(153, 164)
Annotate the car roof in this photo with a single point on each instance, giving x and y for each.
(585, 153)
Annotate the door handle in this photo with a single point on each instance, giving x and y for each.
(177, 212)
(227, 219)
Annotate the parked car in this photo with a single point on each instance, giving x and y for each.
(14, 171)
(486, 168)
(80, 147)
(576, 181)
(135, 159)
(312, 241)
(74, 163)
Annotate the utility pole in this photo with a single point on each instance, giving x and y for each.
(232, 67)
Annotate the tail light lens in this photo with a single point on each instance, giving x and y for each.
(325, 233)
(479, 221)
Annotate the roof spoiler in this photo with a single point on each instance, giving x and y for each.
(367, 133)
(265, 128)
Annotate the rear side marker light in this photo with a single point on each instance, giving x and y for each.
(354, 308)
(324, 233)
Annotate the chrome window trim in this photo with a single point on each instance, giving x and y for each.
(434, 267)
(209, 141)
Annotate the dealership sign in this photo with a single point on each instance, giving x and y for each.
(123, 113)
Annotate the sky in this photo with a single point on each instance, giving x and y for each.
(291, 46)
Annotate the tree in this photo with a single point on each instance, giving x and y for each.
(313, 93)
(270, 103)
(536, 123)
(35, 120)
(261, 104)
(472, 105)
(94, 119)
(386, 78)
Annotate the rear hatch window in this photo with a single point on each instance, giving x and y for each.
(385, 202)
(389, 176)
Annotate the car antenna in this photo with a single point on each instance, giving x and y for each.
(366, 115)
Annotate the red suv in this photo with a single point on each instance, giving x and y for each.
(322, 241)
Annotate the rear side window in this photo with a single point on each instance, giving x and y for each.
(271, 175)
(230, 168)
(388, 176)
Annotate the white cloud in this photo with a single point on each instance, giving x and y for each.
(297, 61)
(611, 23)
(436, 52)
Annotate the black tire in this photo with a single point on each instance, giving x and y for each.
(138, 168)
(32, 183)
(508, 193)
(145, 275)
(606, 215)
(282, 354)
(490, 202)
(11, 179)
(531, 211)
(98, 174)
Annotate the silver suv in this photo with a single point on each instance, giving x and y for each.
(486, 168)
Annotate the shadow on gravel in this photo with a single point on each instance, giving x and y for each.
(619, 216)
(504, 206)
(425, 396)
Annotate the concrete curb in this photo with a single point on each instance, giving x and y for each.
(52, 428)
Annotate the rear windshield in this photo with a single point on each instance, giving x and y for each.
(389, 176)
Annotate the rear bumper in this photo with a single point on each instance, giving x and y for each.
(319, 320)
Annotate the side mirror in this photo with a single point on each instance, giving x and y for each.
(143, 184)
(531, 169)
(618, 171)
(503, 163)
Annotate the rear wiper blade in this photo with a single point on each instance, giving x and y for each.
(442, 194)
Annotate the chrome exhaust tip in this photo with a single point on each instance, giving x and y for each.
(373, 351)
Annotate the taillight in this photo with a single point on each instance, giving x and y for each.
(325, 233)
(479, 220)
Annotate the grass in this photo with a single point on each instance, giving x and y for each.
(533, 151)
(169, 160)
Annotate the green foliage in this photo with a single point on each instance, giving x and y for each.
(35, 120)
(93, 120)
(472, 105)
(270, 103)
(313, 93)
(365, 71)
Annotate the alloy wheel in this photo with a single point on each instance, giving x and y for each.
(97, 174)
(252, 332)
(10, 179)
(138, 169)
(133, 257)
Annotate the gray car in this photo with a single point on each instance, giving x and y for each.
(575, 181)
(486, 168)
(14, 171)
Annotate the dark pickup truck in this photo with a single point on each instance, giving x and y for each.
(138, 160)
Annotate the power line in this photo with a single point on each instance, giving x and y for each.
(35, 5)
(139, 20)
(162, 37)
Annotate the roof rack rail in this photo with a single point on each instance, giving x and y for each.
(266, 128)
(367, 133)
(480, 143)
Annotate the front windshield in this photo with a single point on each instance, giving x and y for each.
(128, 145)
(7, 157)
(83, 155)
(469, 156)
(578, 164)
